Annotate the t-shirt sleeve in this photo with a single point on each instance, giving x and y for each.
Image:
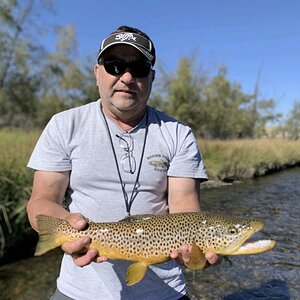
(187, 161)
(51, 151)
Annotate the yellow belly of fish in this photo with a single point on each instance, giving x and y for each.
(114, 252)
(137, 270)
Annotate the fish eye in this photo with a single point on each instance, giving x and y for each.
(232, 230)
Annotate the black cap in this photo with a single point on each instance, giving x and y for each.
(141, 43)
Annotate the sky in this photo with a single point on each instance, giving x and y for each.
(257, 40)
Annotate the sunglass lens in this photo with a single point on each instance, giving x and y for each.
(114, 67)
(139, 69)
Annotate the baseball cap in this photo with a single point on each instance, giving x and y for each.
(141, 43)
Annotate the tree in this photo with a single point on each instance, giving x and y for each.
(227, 113)
(18, 60)
(213, 107)
(11, 37)
(66, 81)
(89, 90)
(293, 122)
(184, 95)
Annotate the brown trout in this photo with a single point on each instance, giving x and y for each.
(149, 239)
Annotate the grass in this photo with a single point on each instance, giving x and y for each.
(223, 159)
(248, 158)
(15, 184)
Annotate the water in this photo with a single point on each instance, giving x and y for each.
(272, 275)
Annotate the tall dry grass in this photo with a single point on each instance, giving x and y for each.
(15, 183)
(248, 158)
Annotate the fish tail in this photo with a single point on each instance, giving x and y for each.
(46, 226)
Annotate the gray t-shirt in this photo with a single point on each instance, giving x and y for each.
(77, 140)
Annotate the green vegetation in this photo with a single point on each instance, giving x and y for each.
(214, 107)
(15, 184)
(248, 158)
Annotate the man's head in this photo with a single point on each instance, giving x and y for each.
(124, 72)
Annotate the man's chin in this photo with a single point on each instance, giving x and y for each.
(126, 104)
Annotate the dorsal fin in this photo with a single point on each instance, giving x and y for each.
(136, 218)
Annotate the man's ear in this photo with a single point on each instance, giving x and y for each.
(153, 75)
(96, 67)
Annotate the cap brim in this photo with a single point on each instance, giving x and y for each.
(146, 53)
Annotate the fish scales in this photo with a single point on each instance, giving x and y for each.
(150, 239)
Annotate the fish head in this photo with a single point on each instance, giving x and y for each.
(237, 233)
(227, 236)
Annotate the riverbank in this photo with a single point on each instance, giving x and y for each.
(226, 162)
(229, 161)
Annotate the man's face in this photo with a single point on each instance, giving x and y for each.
(123, 94)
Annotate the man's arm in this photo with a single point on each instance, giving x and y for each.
(183, 196)
(47, 196)
(48, 192)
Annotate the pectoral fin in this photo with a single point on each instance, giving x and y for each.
(197, 259)
(135, 273)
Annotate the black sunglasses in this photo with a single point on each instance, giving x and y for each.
(117, 67)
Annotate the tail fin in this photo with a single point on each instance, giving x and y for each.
(46, 226)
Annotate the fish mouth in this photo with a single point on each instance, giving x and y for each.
(254, 247)
(247, 245)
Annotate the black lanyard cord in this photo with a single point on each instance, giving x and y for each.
(135, 191)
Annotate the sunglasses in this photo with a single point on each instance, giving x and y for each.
(117, 67)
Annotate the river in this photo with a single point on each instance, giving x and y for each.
(272, 275)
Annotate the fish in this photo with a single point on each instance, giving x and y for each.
(149, 239)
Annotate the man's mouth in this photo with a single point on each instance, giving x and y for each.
(126, 92)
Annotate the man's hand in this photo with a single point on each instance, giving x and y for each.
(78, 249)
(183, 255)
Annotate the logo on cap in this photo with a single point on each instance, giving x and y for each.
(125, 37)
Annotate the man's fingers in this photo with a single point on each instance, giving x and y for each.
(185, 251)
(212, 258)
(174, 254)
(100, 259)
(183, 255)
(82, 260)
(76, 246)
(77, 221)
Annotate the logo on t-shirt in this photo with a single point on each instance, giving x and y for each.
(159, 162)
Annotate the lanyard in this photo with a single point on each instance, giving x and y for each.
(128, 202)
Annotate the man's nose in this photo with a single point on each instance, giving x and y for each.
(127, 76)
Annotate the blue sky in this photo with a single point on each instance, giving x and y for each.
(250, 37)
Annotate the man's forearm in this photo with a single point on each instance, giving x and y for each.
(37, 206)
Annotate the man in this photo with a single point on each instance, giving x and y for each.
(114, 157)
